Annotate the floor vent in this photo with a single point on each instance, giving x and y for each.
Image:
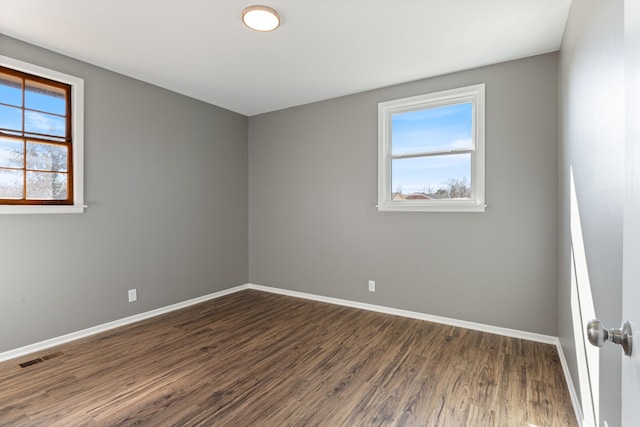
(31, 362)
(40, 359)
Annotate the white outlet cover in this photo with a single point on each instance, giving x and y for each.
(133, 295)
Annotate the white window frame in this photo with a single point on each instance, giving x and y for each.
(474, 94)
(77, 132)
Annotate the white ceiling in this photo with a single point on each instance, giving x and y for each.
(323, 49)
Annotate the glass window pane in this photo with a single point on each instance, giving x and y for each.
(432, 129)
(45, 124)
(46, 185)
(10, 90)
(10, 118)
(11, 184)
(45, 98)
(47, 157)
(11, 153)
(434, 177)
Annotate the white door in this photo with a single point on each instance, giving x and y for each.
(631, 227)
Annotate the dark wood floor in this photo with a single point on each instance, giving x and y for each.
(259, 359)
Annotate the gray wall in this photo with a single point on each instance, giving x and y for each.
(592, 143)
(166, 185)
(313, 226)
(167, 179)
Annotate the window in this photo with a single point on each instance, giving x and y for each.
(431, 152)
(41, 139)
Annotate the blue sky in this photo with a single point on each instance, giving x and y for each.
(426, 131)
(35, 121)
(48, 119)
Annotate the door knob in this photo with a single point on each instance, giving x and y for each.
(598, 335)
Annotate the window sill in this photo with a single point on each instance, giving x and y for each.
(423, 207)
(21, 209)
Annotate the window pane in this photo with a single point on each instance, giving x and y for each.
(45, 98)
(47, 124)
(10, 118)
(434, 177)
(46, 185)
(11, 153)
(10, 90)
(47, 157)
(432, 129)
(11, 184)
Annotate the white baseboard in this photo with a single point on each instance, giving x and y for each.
(572, 391)
(43, 345)
(546, 339)
(513, 333)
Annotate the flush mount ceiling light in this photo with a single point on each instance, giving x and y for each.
(261, 18)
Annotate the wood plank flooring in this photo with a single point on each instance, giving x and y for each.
(259, 359)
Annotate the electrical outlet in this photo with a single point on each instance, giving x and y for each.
(133, 295)
(372, 286)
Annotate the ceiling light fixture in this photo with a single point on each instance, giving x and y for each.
(261, 18)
